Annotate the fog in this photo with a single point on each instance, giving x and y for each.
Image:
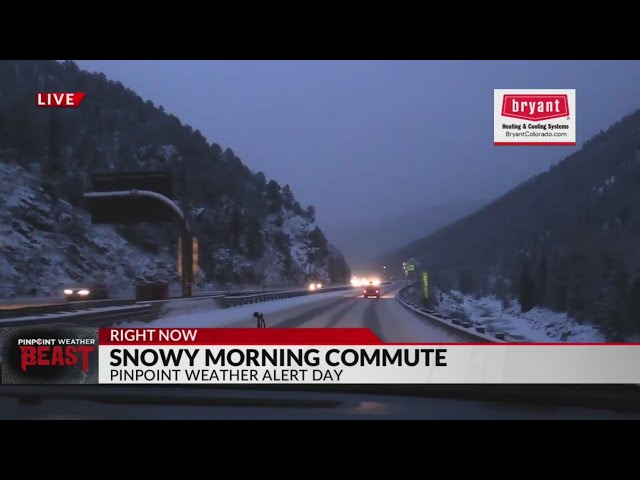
(370, 142)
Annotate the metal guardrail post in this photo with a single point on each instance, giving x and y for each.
(234, 300)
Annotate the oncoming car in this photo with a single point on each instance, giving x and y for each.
(371, 290)
(93, 291)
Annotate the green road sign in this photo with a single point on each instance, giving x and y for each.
(425, 284)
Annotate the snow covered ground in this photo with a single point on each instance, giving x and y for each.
(536, 325)
(204, 314)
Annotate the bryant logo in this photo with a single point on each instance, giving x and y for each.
(55, 355)
(535, 107)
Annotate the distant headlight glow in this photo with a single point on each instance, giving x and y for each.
(68, 291)
(319, 285)
(83, 292)
(312, 286)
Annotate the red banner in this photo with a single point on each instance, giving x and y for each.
(238, 336)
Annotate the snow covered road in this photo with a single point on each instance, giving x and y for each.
(385, 316)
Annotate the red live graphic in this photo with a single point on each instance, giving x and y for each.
(56, 355)
(59, 99)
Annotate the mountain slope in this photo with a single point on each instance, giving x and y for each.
(236, 214)
(46, 243)
(566, 239)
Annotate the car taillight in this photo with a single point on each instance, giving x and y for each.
(365, 291)
(377, 291)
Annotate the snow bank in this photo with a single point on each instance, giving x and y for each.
(536, 325)
(214, 317)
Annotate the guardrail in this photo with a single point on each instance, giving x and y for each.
(64, 307)
(108, 312)
(465, 326)
(100, 316)
(236, 300)
(61, 307)
(241, 293)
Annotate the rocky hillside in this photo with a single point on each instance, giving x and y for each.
(47, 243)
(251, 229)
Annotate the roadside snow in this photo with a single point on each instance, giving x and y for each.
(214, 317)
(536, 325)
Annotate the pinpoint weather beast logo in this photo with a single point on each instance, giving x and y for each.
(40, 352)
(58, 355)
(534, 117)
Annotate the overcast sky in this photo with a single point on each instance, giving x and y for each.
(375, 138)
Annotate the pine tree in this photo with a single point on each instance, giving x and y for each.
(526, 296)
(260, 182)
(274, 197)
(287, 197)
(255, 242)
(236, 227)
(310, 213)
(540, 282)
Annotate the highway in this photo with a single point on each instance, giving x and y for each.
(390, 320)
(386, 317)
(56, 300)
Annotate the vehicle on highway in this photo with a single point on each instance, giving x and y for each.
(372, 290)
(91, 291)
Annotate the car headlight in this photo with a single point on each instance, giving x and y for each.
(83, 292)
(319, 285)
(68, 291)
(312, 286)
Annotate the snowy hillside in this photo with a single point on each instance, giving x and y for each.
(295, 252)
(565, 240)
(536, 325)
(46, 243)
(299, 232)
